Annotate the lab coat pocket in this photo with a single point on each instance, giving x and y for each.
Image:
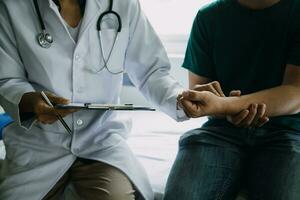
(109, 53)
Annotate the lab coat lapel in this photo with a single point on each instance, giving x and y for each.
(54, 22)
(93, 9)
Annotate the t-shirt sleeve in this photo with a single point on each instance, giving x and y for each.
(198, 57)
(293, 53)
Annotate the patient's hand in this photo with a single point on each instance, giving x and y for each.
(254, 116)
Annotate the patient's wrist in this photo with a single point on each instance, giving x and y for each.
(232, 105)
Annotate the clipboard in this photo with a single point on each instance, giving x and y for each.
(106, 107)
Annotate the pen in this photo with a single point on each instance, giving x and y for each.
(58, 116)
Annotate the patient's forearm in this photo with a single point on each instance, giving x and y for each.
(282, 100)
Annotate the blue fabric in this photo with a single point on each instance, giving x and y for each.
(216, 162)
(4, 121)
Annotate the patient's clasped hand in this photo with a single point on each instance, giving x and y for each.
(209, 100)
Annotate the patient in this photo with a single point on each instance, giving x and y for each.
(252, 46)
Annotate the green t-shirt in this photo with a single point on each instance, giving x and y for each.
(246, 49)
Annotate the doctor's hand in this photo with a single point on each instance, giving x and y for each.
(204, 103)
(33, 103)
(213, 87)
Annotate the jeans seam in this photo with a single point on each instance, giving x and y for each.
(223, 189)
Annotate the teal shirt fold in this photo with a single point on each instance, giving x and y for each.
(246, 49)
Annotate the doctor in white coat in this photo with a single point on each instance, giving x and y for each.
(40, 154)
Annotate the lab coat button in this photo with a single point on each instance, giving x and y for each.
(79, 122)
(77, 58)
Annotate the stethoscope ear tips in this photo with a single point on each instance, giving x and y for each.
(45, 40)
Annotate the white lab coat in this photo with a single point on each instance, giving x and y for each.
(38, 155)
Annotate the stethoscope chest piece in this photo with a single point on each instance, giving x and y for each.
(45, 40)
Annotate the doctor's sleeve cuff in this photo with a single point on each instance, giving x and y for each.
(176, 112)
(181, 116)
(10, 103)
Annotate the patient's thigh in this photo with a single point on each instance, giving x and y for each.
(207, 167)
(96, 180)
(274, 170)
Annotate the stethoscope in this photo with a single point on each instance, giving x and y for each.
(45, 40)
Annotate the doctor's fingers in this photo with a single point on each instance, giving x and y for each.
(65, 112)
(200, 97)
(213, 87)
(179, 104)
(56, 99)
(235, 93)
(218, 87)
(191, 109)
(44, 109)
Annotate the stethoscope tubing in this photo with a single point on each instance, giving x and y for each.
(110, 12)
(38, 12)
(105, 61)
(45, 40)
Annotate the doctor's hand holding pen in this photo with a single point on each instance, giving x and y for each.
(33, 104)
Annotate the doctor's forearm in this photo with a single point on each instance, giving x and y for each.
(281, 100)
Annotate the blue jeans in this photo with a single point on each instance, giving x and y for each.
(214, 163)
